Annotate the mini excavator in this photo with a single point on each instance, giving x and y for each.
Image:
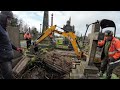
(70, 35)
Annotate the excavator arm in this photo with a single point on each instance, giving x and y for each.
(47, 32)
(70, 35)
(72, 38)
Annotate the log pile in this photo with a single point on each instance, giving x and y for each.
(56, 61)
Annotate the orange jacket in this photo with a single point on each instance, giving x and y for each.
(114, 49)
(27, 36)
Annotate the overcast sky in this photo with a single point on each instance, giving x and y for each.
(78, 18)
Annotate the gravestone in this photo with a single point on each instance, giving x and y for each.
(15, 38)
(90, 70)
(21, 36)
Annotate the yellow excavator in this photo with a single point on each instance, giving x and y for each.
(70, 35)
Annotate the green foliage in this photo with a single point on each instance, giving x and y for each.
(34, 32)
(113, 76)
(79, 38)
(62, 46)
(14, 22)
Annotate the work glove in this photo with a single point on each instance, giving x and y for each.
(19, 50)
(111, 59)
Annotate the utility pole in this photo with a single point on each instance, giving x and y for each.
(52, 19)
(40, 28)
(29, 29)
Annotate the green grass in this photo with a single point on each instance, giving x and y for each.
(59, 41)
(113, 76)
(62, 46)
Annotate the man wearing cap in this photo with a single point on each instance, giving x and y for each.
(6, 47)
(110, 55)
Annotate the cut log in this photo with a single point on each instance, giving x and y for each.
(21, 65)
(16, 60)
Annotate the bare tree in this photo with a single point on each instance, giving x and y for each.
(25, 28)
(34, 32)
(14, 22)
(20, 21)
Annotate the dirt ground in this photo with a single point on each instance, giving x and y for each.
(117, 71)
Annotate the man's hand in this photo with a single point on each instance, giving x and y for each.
(19, 50)
(111, 59)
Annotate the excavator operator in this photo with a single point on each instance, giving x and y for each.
(52, 39)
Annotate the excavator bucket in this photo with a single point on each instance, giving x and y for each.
(105, 23)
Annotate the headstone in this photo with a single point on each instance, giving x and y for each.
(21, 36)
(91, 69)
(15, 38)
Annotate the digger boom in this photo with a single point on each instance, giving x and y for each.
(70, 35)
